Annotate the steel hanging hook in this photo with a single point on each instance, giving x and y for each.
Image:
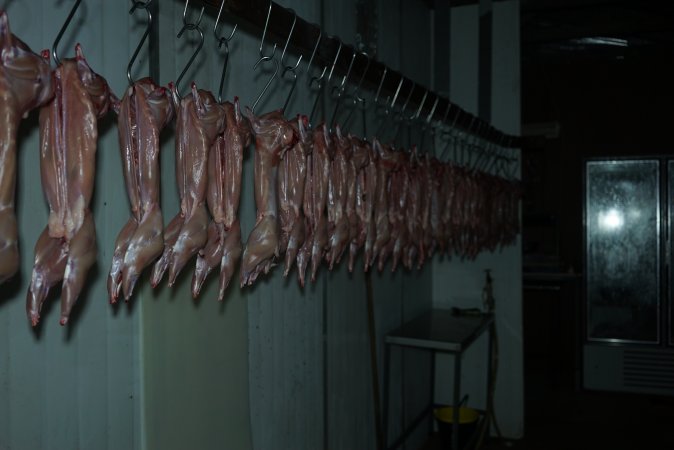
(264, 58)
(342, 86)
(311, 60)
(375, 101)
(291, 69)
(354, 95)
(146, 6)
(319, 79)
(223, 41)
(387, 109)
(407, 101)
(400, 117)
(441, 122)
(285, 47)
(185, 22)
(315, 79)
(191, 27)
(334, 62)
(264, 33)
(54, 48)
(429, 118)
(450, 134)
(356, 91)
(416, 115)
(427, 124)
(340, 89)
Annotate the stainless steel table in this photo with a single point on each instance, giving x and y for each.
(438, 330)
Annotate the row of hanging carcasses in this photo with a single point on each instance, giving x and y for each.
(321, 195)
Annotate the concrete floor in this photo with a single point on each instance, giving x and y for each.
(560, 417)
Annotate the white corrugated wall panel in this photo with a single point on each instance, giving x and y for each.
(75, 386)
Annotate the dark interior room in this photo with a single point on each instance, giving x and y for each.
(595, 90)
(338, 225)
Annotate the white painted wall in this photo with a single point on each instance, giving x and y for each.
(460, 283)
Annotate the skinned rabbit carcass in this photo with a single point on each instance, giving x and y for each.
(66, 249)
(25, 84)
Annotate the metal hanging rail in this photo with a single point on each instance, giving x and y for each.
(304, 36)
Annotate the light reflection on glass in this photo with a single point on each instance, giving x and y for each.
(611, 219)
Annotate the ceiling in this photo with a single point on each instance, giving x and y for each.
(571, 29)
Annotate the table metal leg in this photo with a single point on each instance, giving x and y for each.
(387, 362)
(456, 401)
(432, 393)
(489, 404)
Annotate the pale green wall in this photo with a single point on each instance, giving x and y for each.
(460, 283)
(76, 386)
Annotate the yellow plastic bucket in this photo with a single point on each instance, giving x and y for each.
(468, 418)
(446, 414)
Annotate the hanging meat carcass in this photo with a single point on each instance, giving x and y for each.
(25, 84)
(225, 167)
(291, 186)
(387, 161)
(450, 214)
(370, 189)
(315, 199)
(362, 222)
(341, 184)
(66, 249)
(412, 247)
(437, 202)
(398, 191)
(199, 120)
(273, 135)
(426, 181)
(144, 111)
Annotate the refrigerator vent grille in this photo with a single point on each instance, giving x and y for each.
(648, 369)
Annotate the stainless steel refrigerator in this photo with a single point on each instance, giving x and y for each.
(628, 218)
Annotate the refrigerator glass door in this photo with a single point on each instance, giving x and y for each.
(670, 243)
(622, 227)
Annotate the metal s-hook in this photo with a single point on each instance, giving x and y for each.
(285, 47)
(223, 41)
(291, 69)
(400, 117)
(427, 125)
(190, 26)
(54, 48)
(381, 83)
(319, 80)
(187, 24)
(416, 115)
(401, 114)
(452, 137)
(146, 6)
(356, 90)
(315, 79)
(264, 58)
(386, 109)
(311, 60)
(429, 118)
(334, 62)
(266, 86)
(354, 95)
(340, 89)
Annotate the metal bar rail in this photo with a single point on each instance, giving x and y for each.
(306, 34)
